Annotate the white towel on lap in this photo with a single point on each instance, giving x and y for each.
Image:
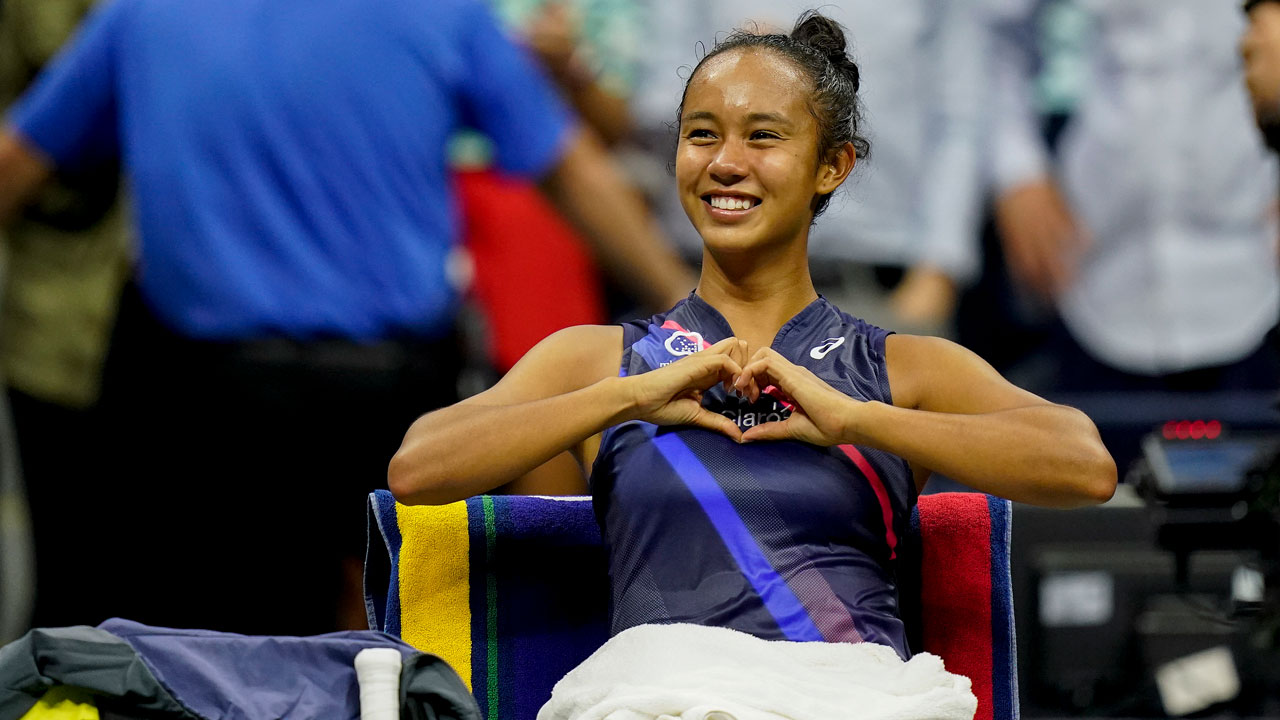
(693, 672)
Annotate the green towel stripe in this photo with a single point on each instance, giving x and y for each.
(491, 605)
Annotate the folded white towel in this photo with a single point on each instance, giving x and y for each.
(691, 672)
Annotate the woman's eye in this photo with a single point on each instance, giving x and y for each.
(764, 135)
(699, 134)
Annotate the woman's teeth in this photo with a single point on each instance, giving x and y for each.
(728, 203)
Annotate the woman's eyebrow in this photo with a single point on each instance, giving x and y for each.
(698, 115)
(755, 117)
(768, 117)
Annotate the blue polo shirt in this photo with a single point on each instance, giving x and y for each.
(288, 157)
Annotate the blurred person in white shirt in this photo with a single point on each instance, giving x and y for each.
(1154, 230)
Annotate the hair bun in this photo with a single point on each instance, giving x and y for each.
(826, 36)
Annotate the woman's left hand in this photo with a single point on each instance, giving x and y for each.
(820, 414)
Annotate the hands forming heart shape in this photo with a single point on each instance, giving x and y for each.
(672, 395)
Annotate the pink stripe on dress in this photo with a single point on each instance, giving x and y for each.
(883, 495)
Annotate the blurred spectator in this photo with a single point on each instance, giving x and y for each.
(913, 206)
(1155, 233)
(67, 258)
(1260, 48)
(293, 308)
(588, 47)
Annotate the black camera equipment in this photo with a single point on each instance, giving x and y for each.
(1208, 489)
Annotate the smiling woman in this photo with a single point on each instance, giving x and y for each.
(754, 452)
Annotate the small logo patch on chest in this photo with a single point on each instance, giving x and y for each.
(827, 346)
(747, 414)
(684, 342)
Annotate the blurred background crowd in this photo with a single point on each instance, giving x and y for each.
(244, 243)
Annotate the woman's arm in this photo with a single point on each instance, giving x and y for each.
(555, 397)
(952, 414)
(559, 396)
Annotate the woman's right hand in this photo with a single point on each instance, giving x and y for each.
(672, 394)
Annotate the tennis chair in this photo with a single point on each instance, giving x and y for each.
(513, 591)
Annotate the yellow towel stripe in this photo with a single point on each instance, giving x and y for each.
(435, 602)
(63, 703)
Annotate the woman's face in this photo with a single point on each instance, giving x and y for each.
(747, 162)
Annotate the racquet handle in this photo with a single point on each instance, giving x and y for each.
(378, 673)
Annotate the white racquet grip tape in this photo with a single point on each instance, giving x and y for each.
(378, 673)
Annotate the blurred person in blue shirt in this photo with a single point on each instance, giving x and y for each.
(294, 299)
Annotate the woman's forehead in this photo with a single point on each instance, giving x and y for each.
(748, 80)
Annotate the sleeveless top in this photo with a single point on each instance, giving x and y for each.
(781, 540)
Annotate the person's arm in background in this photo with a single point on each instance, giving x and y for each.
(66, 118)
(555, 35)
(950, 194)
(1042, 239)
(23, 169)
(535, 135)
(587, 186)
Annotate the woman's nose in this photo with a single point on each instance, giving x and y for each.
(729, 164)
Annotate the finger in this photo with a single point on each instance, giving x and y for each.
(781, 430)
(773, 370)
(753, 383)
(739, 355)
(706, 370)
(752, 379)
(726, 346)
(730, 347)
(717, 422)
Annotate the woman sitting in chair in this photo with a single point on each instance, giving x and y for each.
(754, 452)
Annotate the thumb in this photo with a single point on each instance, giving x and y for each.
(717, 422)
(779, 430)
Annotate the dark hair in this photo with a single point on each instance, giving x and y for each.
(817, 46)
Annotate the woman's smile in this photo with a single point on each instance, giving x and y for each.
(730, 207)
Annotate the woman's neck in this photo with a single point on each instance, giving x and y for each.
(756, 298)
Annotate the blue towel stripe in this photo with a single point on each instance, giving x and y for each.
(477, 581)
(792, 618)
(385, 513)
(1004, 652)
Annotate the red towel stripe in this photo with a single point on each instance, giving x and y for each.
(956, 588)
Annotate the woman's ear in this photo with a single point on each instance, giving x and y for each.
(836, 168)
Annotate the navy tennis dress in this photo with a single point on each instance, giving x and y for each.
(782, 540)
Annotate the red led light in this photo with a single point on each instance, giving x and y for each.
(1183, 429)
(1212, 429)
(1197, 429)
(1169, 430)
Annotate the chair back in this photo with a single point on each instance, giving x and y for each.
(513, 591)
